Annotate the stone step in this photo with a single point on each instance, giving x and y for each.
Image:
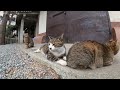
(109, 72)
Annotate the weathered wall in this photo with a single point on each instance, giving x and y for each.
(114, 18)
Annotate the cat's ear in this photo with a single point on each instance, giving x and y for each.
(50, 37)
(112, 40)
(61, 37)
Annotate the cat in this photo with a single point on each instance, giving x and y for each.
(54, 50)
(113, 47)
(28, 41)
(91, 54)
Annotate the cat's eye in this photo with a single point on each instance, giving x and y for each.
(53, 44)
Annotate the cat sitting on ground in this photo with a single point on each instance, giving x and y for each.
(91, 54)
(28, 41)
(113, 48)
(54, 50)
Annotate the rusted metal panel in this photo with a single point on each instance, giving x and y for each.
(80, 25)
(55, 23)
(88, 25)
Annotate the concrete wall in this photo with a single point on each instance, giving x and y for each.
(114, 16)
(42, 22)
(40, 30)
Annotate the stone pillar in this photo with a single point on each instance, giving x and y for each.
(21, 31)
(37, 28)
(42, 21)
(19, 35)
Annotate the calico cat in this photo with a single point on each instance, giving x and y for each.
(54, 50)
(91, 54)
(28, 41)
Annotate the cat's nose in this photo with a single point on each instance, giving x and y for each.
(50, 48)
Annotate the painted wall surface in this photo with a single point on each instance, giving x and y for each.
(42, 21)
(114, 16)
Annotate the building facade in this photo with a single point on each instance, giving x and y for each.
(41, 26)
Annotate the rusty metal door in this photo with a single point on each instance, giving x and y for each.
(80, 25)
(56, 23)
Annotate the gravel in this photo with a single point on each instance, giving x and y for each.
(15, 64)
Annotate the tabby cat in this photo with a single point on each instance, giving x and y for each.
(28, 41)
(113, 47)
(54, 50)
(91, 54)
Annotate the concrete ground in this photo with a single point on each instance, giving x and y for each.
(108, 72)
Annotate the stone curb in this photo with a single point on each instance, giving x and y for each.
(69, 73)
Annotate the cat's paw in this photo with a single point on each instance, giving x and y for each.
(108, 63)
(92, 66)
(37, 51)
(65, 58)
(62, 62)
